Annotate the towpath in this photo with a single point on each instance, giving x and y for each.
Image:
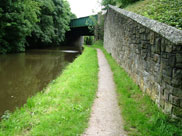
(105, 118)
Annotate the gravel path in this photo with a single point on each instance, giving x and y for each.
(105, 117)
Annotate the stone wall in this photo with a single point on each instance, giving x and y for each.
(151, 52)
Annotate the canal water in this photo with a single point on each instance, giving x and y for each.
(22, 75)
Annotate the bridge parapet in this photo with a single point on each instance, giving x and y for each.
(83, 21)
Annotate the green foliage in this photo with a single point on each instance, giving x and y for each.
(88, 40)
(165, 11)
(91, 23)
(32, 22)
(99, 28)
(119, 3)
(106, 2)
(142, 116)
(63, 108)
(17, 19)
(54, 22)
(73, 16)
(96, 25)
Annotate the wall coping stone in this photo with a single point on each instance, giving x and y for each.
(172, 34)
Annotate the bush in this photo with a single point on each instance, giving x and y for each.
(88, 40)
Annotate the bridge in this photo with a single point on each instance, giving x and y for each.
(80, 27)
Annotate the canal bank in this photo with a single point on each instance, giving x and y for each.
(63, 108)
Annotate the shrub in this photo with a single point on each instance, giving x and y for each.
(88, 40)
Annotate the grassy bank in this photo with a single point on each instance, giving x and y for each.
(142, 117)
(165, 11)
(63, 108)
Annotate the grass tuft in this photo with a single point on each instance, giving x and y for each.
(63, 108)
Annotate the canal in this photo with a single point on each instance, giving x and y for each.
(22, 75)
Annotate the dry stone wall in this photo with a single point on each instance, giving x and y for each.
(151, 52)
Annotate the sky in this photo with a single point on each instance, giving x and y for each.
(84, 8)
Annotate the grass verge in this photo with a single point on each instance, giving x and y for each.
(63, 108)
(142, 117)
(165, 11)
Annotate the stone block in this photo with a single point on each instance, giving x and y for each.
(168, 107)
(156, 68)
(174, 100)
(169, 88)
(177, 74)
(177, 111)
(158, 79)
(164, 62)
(147, 68)
(142, 30)
(144, 37)
(137, 36)
(152, 38)
(163, 45)
(163, 84)
(158, 45)
(144, 53)
(162, 103)
(169, 48)
(153, 49)
(176, 83)
(178, 65)
(177, 92)
(179, 57)
(172, 60)
(177, 47)
(166, 95)
(156, 57)
(167, 79)
(162, 91)
(167, 71)
(144, 44)
(165, 55)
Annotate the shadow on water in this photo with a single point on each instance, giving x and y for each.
(24, 74)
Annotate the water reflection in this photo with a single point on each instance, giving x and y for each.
(70, 51)
(22, 75)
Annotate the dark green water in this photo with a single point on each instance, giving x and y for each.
(23, 75)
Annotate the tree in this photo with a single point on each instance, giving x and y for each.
(17, 19)
(32, 22)
(73, 16)
(61, 20)
(54, 22)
